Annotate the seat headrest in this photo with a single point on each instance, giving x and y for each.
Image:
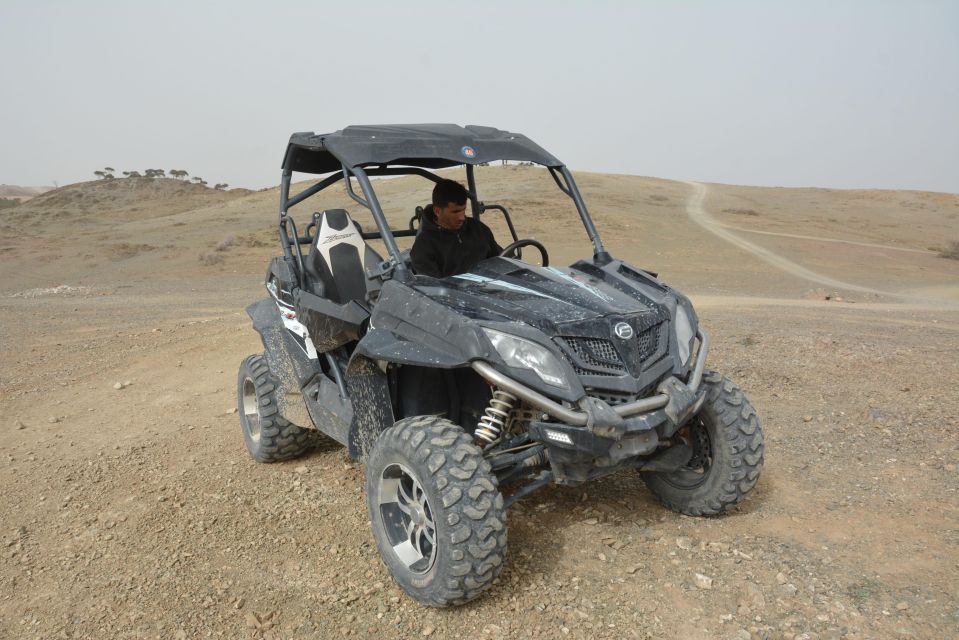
(335, 227)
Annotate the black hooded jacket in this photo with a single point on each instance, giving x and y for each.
(440, 252)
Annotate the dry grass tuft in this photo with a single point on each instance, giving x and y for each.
(125, 250)
(951, 251)
(210, 259)
(225, 243)
(255, 240)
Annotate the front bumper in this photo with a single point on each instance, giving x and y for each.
(598, 436)
(586, 417)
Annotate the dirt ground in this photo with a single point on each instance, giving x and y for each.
(130, 508)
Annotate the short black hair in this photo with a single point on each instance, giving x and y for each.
(447, 191)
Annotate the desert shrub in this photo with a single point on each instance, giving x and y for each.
(125, 250)
(951, 251)
(210, 259)
(252, 240)
(742, 212)
(658, 198)
(6, 203)
(225, 244)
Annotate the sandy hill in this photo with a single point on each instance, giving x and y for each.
(15, 191)
(875, 242)
(108, 201)
(130, 507)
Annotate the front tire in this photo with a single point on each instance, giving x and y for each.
(269, 437)
(436, 511)
(728, 449)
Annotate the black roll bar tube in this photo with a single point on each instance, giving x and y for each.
(403, 171)
(286, 202)
(570, 189)
(319, 186)
(336, 177)
(284, 197)
(352, 194)
(562, 187)
(399, 233)
(509, 221)
(287, 220)
(284, 234)
(475, 205)
(371, 203)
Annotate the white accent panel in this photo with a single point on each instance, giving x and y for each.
(298, 328)
(330, 237)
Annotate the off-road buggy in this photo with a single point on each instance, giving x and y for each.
(464, 394)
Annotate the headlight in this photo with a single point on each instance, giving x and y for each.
(684, 334)
(519, 352)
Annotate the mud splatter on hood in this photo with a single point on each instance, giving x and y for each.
(503, 290)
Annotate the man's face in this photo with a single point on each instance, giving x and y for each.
(452, 216)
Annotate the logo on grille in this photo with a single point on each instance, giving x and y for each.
(623, 331)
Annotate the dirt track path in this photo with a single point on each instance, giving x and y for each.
(738, 302)
(798, 236)
(698, 214)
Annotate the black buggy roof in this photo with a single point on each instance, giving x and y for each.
(431, 146)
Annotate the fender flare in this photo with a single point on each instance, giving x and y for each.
(383, 344)
(282, 355)
(374, 413)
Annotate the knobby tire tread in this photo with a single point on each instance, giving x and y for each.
(279, 438)
(739, 430)
(471, 503)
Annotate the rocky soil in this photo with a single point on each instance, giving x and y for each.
(130, 508)
(135, 512)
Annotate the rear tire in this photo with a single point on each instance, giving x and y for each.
(728, 450)
(436, 511)
(269, 437)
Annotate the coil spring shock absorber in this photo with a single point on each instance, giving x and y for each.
(492, 424)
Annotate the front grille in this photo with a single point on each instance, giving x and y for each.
(648, 342)
(614, 398)
(599, 356)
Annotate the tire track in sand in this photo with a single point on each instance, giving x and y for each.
(698, 214)
(871, 245)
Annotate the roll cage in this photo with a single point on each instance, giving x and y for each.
(372, 151)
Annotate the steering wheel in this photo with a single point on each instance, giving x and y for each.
(527, 242)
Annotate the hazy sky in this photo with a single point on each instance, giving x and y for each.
(830, 94)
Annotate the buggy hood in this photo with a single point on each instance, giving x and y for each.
(549, 299)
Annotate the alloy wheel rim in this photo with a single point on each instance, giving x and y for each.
(251, 409)
(407, 518)
(696, 471)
